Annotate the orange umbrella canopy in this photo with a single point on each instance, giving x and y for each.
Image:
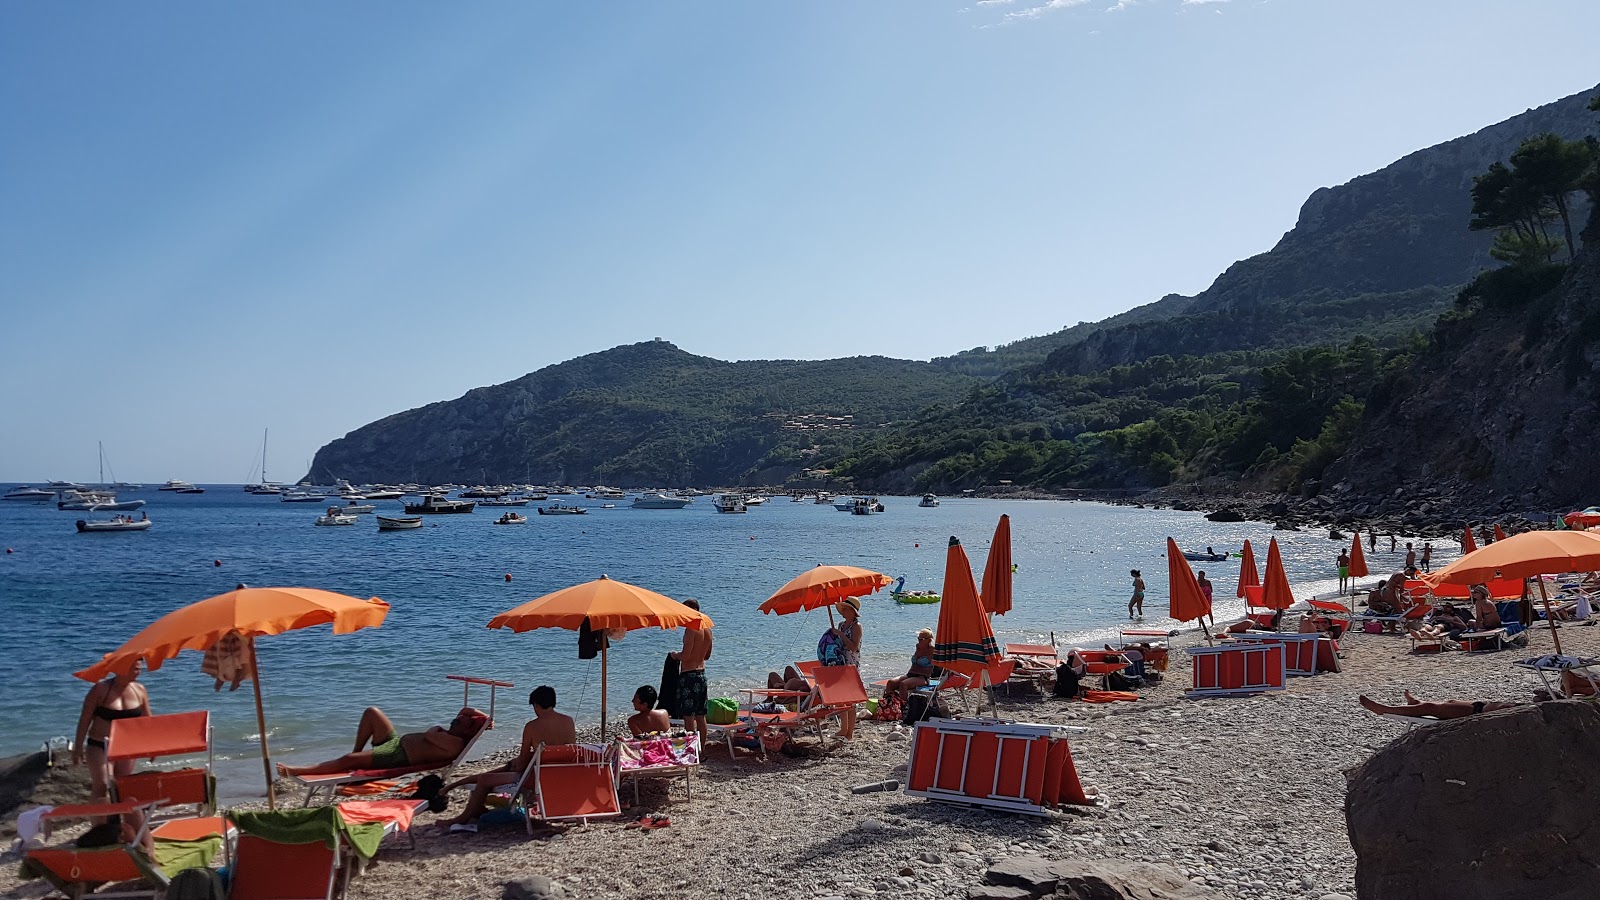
(606, 604)
(964, 642)
(1358, 558)
(997, 570)
(1468, 545)
(1524, 556)
(1276, 594)
(824, 586)
(1185, 600)
(1499, 535)
(1248, 576)
(250, 611)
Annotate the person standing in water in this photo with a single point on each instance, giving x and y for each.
(1427, 556)
(1205, 588)
(1344, 570)
(1137, 601)
(1372, 542)
(691, 659)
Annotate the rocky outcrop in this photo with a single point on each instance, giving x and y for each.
(1026, 877)
(1498, 805)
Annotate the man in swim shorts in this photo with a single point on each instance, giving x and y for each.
(393, 750)
(692, 675)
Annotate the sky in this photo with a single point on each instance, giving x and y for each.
(217, 219)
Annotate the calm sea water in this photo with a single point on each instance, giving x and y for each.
(67, 598)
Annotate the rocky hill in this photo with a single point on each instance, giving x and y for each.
(1380, 254)
(647, 414)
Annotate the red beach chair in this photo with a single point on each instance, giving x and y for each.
(265, 870)
(77, 872)
(573, 781)
(1020, 767)
(1237, 667)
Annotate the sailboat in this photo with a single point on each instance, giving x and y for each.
(114, 485)
(265, 487)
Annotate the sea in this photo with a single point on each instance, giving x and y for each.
(67, 598)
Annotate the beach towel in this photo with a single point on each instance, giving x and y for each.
(323, 824)
(228, 660)
(669, 689)
(1108, 696)
(400, 812)
(173, 857)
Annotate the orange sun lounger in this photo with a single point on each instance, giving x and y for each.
(573, 781)
(1014, 766)
(266, 870)
(335, 780)
(76, 872)
(1237, 667)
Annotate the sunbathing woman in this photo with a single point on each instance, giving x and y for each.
(393, 750)
(1446, 709)
(1488, 615)
(921, 672)
(790, 680)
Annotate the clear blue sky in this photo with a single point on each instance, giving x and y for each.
(216, 218)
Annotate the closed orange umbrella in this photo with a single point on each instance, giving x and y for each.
(1498, 534)
(964, 642)
(1276, 593)
(997, 571)
(1358, 558)
(605, 604)
(252, 612)
(1468, 545)
(1526, 555)
(1248, 576)
(1185, 600)
(824, 586)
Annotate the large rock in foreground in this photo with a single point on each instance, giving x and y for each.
(1083, 879)
(1501, 805)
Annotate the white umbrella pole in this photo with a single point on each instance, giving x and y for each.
(261, 723)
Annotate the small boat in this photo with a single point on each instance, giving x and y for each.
(82, 499)
(1208, 556)
(863, 506)
(755, 501)
(335, 517)
(503, 501)
(511, 518)
(176, 485)
(382, 494)
(485, 493)
(65, 486)
(115, 523)
(929, 501)
(658, 500)
(264, 490)
(399, 523)
(358, 509)
(192, 490)
(913, 597)
(730, 503)
(28, 493)
(823, 498)
(601, 492)
(436, 503)
(301, 497)
(115, 505)
(560, 509)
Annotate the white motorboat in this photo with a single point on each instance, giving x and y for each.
(399, 523)
(115, 523)
(28, 493)
(335, 517)
(658, 500)
(756, 500)
(358, 509)
(730, 503)
(844, 505)
(301, 497)
(115, 505)
(383, 494)
(176, 485)
(65, 486)
(503, 501)
(125, 486)
(929, 501)
(863, 506)
(265, 490)
(559, 509)
(436, 503)
(823, 497)
(511, 518)
(601, 492)
(83, 499)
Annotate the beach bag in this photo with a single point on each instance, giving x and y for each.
(1066, 681)
(1372, 627)
(722, 711)
(890, 709)
(918, 709)
(830, 649)
(196, 884)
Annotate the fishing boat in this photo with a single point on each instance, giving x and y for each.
(511, 518)
(730, 503)
(929, 501)
(115, 523)
(399, 523)
(561, 509)
(658, 500)
(358, 509)
(914, 597)
(436, 503)
(28, 493)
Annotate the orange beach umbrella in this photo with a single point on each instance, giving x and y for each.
(251, 612)
(963, 642)
(1499, 535)
(1185, 600)
(1248, 576)
(1526, 555)
(1358, 558)
(824, 586)
(1276, 593)
(605, 604)
(997, 571)
(1468, 545)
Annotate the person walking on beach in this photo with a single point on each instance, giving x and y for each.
(1137, 600)
(1372, 542)
(1411, 558)
(1427, 556)
(692, 675)
(119, 697)
(1344, 569)
(1205, 588)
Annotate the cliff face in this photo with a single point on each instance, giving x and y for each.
(1501, 413)
(1381, 253)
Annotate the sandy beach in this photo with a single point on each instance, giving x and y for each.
(1245, 794)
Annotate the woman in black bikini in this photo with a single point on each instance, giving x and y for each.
(119, 697)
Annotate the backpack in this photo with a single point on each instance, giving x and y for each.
(919, 709)
(196, 884)
(830, 649)
(722, 711)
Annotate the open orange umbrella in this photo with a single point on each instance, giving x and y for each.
(963, 642)
(1248, 576)
(1185, 600)
(252, 612)
(1499, 535)
(1468, 545)
(605, 604)
(1358, 558)
(1526, 555)
(824, 586)
(997, 571)
(1276, 593)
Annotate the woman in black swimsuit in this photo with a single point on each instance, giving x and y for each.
(119, 697)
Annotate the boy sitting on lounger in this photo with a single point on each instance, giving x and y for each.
(393, 750)
(646, 719)
(546, 727)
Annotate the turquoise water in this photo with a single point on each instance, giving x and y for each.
(67, 598)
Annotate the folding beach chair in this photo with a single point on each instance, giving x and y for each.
(332, 781)
(661, 757)
(573, 781)
(267, 870)
(76, 872)
(151, 737)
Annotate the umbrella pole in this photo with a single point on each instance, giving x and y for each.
(602, 693)
(261, 725)
(1547, 617)
(1206, 630)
